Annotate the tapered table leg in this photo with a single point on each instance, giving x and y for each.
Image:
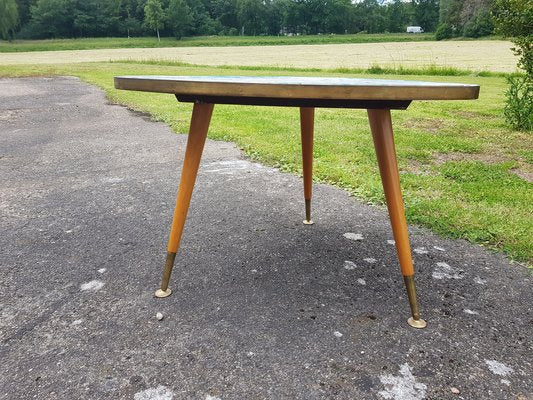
(201, 116)
(381, 126)
(307, 120)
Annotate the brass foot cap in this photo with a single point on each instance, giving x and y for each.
(308, 222)
(162, 293)
(417, 323)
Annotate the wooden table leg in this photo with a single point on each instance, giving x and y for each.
(307, 120)
(201, 116)
(381, 126)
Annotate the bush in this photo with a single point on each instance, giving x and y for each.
(514, 18)
(28, 31)
(444, 31)
(480, 25)
(518, 109)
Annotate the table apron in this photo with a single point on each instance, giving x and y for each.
(287, 102)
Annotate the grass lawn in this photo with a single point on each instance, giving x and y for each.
(113, 43)
(464, 173)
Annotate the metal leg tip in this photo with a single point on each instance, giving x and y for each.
(417, 323)
(162, 293)
(308, 220)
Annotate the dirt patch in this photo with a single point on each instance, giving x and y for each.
(523, 170)
(467, 114)
(473, 115)
(430, 125)
(416, 167)
(492, 158)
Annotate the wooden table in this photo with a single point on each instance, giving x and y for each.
(376, 95)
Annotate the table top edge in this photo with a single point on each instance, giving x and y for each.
(299, 87)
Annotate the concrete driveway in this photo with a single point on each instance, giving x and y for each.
(263, 306)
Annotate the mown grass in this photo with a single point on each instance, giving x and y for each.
(458, 160)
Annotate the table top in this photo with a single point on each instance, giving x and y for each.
(298, 87)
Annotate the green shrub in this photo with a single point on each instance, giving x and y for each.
(444, 31)
(518, 109)
(514, 18)
(480, 25)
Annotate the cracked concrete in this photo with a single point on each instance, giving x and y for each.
(264, 307)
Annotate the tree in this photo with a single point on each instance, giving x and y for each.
(178, 17)
(274, 16)
(52, 19)
(398, 16)
(225, 11)
(514, 18)
(74, 18)
(315, 11)
(90, 17)
(450, 13)
(426, 14)
(480, 25)
(339, 16)
(154, 16)
(468, 18)
(250, 14)
(8, 18)
(127, 13)
(202, 23)
(369, 17)
(472, 8)
(23, 7)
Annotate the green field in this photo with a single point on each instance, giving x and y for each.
(148, 42)
(464, 173)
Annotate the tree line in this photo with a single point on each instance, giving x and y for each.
(99, 18)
